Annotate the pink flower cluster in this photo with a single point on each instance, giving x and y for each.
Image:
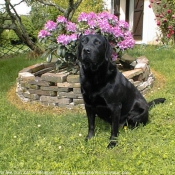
(165, 17)
(66, 39)
(67, 33)
(43, 34)
(50, 26)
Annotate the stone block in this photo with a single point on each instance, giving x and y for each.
(77, 90)
(20, 89)
(142, 86)
(44, 103)
(68, 106)
(68, 85)
(131, 80)
(46, 65)
(32, 86)
(132, 73)
(69, 95)
(25, 100)
(78, 101)
(49, 88)
(141, 65)
(150, 81)
(52, 104)
(41, 92)
(49, 99)
(55, 100)
(23, 84)
(127, 58)
(38, 81)
(142, 59)
(64, 89)
(64, 101)
(52, 77)
(146, 73)
(145, 90)
(26, 76)
(29, 86)
(36, 67)
(73, 79)
(137, 83)
(43, 71)
(31, 96)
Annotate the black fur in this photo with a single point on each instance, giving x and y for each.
(106, 92)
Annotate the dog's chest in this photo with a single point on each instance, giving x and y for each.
(93, 97)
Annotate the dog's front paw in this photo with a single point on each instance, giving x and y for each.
(89, 136)
(112, 144)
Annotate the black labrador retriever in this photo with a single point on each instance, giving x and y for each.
(106, 92)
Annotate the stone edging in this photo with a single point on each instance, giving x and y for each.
(38, 83)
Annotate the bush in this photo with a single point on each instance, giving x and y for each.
(165, 18)
(61, 37)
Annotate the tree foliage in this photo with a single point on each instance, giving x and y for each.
(41, 11)
(66, 8)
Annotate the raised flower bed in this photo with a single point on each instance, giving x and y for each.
(39, 83)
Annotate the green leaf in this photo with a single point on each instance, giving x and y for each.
(49, 58)
(63, 52)
(59, 51)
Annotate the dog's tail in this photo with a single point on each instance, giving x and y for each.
(155, 101)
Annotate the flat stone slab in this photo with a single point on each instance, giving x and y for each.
(127, 58)
(142, 59)
(52, 77)
(68, 85)
(42, 92)
(132, 73)
(25, 76)
(38, 81)
(73, 79)
(55, 100)
(69, 95)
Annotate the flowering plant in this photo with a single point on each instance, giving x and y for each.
(165, 18)
(62, 36)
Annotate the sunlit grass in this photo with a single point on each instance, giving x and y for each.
(36, 139)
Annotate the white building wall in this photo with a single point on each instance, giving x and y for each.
(150, 28)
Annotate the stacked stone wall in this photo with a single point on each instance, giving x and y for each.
(39, 83)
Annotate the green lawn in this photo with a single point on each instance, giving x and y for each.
(53, 143)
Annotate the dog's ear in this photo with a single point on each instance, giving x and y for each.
(108, 51)
(79, 48)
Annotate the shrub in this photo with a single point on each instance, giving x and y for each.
(60, 37)
(165, 18)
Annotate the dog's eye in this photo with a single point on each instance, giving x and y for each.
(96, 42)
(84, 41)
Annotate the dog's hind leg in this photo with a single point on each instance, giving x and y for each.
(140, 116)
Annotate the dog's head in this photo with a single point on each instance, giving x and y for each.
(93, 50)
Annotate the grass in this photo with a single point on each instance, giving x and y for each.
(41, 140)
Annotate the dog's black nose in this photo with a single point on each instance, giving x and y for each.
(87, 50)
